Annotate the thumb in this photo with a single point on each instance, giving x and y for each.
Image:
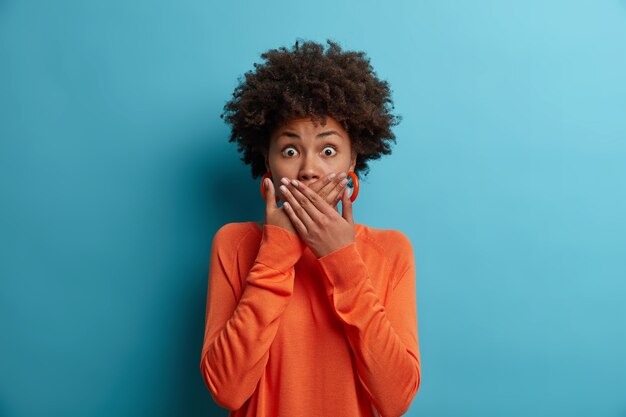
(270, 200)
(346, 206)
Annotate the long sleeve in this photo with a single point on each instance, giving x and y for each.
(383, 338)
(238, 333)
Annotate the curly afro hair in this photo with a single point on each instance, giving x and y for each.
(308, 81)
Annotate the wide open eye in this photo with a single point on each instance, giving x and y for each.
(289, 151)
(329, 150)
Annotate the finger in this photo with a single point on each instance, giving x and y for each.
(300, 205)
(337, 192)
(320, 184)
(327, 192)
(317, 205)
(295, 220)
(327, 184)
(346, 207)
(270, 200)
(336, 180)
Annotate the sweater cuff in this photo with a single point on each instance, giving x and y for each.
(344, 268)
(280, 249)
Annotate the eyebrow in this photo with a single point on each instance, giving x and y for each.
(319, 135)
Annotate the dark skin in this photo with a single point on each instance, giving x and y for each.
(330, 188)
(321, 226)
(311, 163)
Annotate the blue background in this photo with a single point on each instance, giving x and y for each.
(508, 176)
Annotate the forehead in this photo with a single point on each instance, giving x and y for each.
(306, 127)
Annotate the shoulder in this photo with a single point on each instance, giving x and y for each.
(392, 244)
(386, 238)
(230, 235)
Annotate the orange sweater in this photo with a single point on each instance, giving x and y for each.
(290, 334)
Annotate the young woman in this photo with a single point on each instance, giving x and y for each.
(309, 313)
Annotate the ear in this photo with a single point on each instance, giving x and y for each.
(352, 161)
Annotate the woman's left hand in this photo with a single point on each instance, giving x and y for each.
(320, 225)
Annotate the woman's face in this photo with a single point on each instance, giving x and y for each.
(299, 150)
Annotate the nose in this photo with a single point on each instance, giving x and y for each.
(309, 170)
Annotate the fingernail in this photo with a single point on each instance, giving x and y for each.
(284, 181)
(331, 176)
(294, 182)
(283, 188)
(343, 182)
(342, 175)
